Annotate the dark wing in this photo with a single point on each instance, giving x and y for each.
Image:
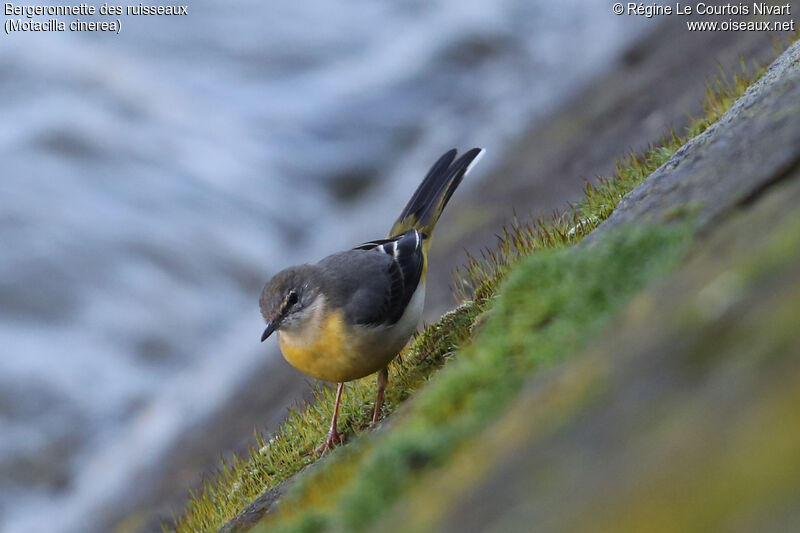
(403, 273)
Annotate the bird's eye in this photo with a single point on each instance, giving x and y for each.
(291, 298)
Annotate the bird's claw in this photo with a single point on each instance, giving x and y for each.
(334, 439)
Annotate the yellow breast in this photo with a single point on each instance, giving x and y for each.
(330, 350)
(324, 346)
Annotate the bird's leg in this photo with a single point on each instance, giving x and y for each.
(383, 379)
(333, 436)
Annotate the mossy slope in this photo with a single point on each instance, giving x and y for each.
(360, 481)
(550, 306)
(682, 416)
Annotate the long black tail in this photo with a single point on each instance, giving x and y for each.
(423, 210)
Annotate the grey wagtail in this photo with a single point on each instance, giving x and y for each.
(349, 315)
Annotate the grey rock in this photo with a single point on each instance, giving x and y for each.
(751, 147)
(682, 415)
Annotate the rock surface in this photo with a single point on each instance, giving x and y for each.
(682, 416)
(754, 145)
(251, 514)
(658, 84)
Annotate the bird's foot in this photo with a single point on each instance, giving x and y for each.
(333, 439)
(376, 416)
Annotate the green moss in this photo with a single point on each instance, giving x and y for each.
(683, 212)
(460, 399)
(743, 473)
(710, 483)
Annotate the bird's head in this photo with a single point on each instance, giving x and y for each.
(286, 297)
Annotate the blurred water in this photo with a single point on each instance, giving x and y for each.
(150, 182)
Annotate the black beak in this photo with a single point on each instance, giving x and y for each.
(268, 331)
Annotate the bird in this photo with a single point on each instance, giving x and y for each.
(349, 315)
